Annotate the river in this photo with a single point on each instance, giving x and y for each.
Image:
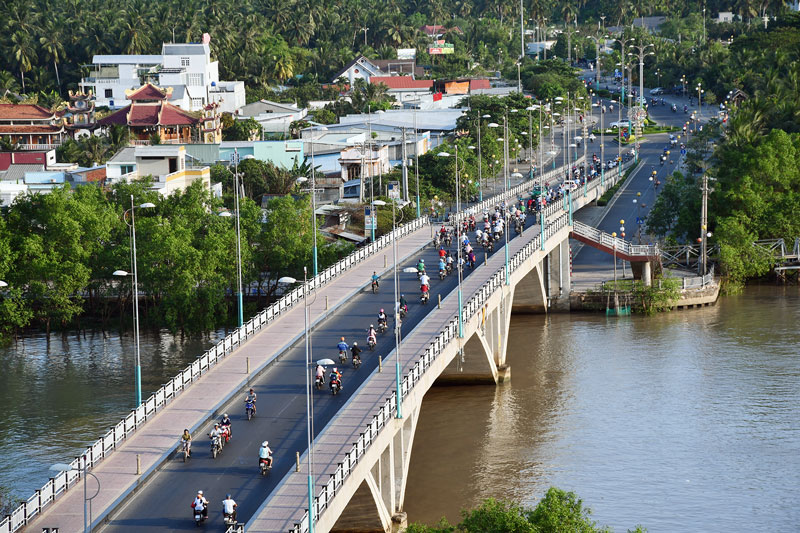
(685, 421)
(57, 399)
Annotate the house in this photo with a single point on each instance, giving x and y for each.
(149, 113)
(359, 162)
(40, 158)
(724, 16)
(273, 117)
(358, 68)
(165, 163)
(399, 67)
(284, 154)
(403, 88)
(31, 127)
(186, 68)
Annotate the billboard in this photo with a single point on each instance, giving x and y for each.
(440, 47)
(406, 53)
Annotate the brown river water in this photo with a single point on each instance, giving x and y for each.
(684, 421)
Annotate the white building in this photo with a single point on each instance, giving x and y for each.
(273, 117)
(187, 68)
(165, 164)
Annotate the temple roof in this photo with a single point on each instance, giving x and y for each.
(24, 112)
(148, 92)
(142, 114)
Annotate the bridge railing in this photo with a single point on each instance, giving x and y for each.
(472, 306)
(137, 417)
(621, 245)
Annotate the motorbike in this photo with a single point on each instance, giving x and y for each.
(381, 327)
(264, 466)
(374, 286)
(335, 387)
(442, 273)
(423, 299)
(342, 357)
(420, 273)
(320, 381)
(356, 361)
(228, 519)
(403, 311)
(199, 517)
(249, 408)
(216, 446)
(371, 343)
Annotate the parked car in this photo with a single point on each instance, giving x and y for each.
(657, 91)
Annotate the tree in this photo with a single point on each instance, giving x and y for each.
(241, 130)
(52, 41)
(23, 53)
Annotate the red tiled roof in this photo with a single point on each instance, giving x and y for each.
(401, 82)
(148, 91)
(24, 112)
(14, 129)
(150, 114)
(479, 84)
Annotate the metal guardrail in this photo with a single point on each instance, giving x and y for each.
(688, 255)
(472, 306)
(108, 442)
(697, 282)
(621, 245)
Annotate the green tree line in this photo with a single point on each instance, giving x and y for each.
(558, 511)
(58, 252)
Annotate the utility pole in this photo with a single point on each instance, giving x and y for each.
(704, 227)
(405, 167)
(521, 32)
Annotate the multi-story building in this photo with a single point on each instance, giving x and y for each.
(186, 68)
(31, 127)
(165, 164)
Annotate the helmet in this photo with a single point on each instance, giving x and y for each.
(225, 415)
(335, 369)
(421, 260)
(402, 296)
(381, 309)
(216, 425)
(355, 344)
(371, 326)
(199, 492)
(265, 444)
(342, 338)
(227, 496)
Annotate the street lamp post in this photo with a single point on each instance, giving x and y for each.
(416, 158)
(309, 436)
(132, 226)
(458, 241)
(622, 43)
(700, 92)
(87, 500)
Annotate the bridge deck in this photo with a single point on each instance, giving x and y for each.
(288, 503)
(153, 443)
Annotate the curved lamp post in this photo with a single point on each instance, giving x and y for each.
(132, 226)
(309, 438)
(87, 501)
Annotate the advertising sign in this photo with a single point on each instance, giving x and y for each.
(406, 53)
(394, 190)
(370, 222)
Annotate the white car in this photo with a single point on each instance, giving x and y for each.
(657, 91)
(622, 123)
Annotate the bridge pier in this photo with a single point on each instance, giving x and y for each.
(377, 504)
(643, 271)
(559, 277)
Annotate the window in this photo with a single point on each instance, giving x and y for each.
(194, 80)
(197, 102)
(184, 61)
(109, 93)
(126, 169)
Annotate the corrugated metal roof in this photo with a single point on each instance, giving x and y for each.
(17, 172)
(127, 60)
(126, 155)
(177, 49)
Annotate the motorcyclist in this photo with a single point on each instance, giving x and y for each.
(403, 303)
(200, 504)
(424, 290)
(382, 318)
(424, 280)
(225, 425)
(229, 508)
(336, 377)
(442, 264)
(372, 335)
(342, 346)
(421, 267)
(265, 454)
(186, 441)
(216, 432)
(356, 351)
(251, 397)
(320, 373)
(375, 279)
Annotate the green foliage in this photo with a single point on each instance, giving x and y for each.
(241, 130)
(558, 512)
(660, 296)
(676, 209)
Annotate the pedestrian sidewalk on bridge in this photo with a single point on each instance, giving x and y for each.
(158, 438)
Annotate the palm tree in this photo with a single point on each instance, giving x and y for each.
(23, 53)
(51, 41)
(8, 83)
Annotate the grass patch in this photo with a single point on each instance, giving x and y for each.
(609, 194)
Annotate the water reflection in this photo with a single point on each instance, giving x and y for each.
(686, 421)
(59, 398)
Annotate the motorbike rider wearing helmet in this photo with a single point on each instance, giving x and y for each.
(225, 424)
(372, 335)
(229, 508)
(336, 377)
(265, 454)
(200, 504)
(382, 318)
(320, 373)
(356, 351)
